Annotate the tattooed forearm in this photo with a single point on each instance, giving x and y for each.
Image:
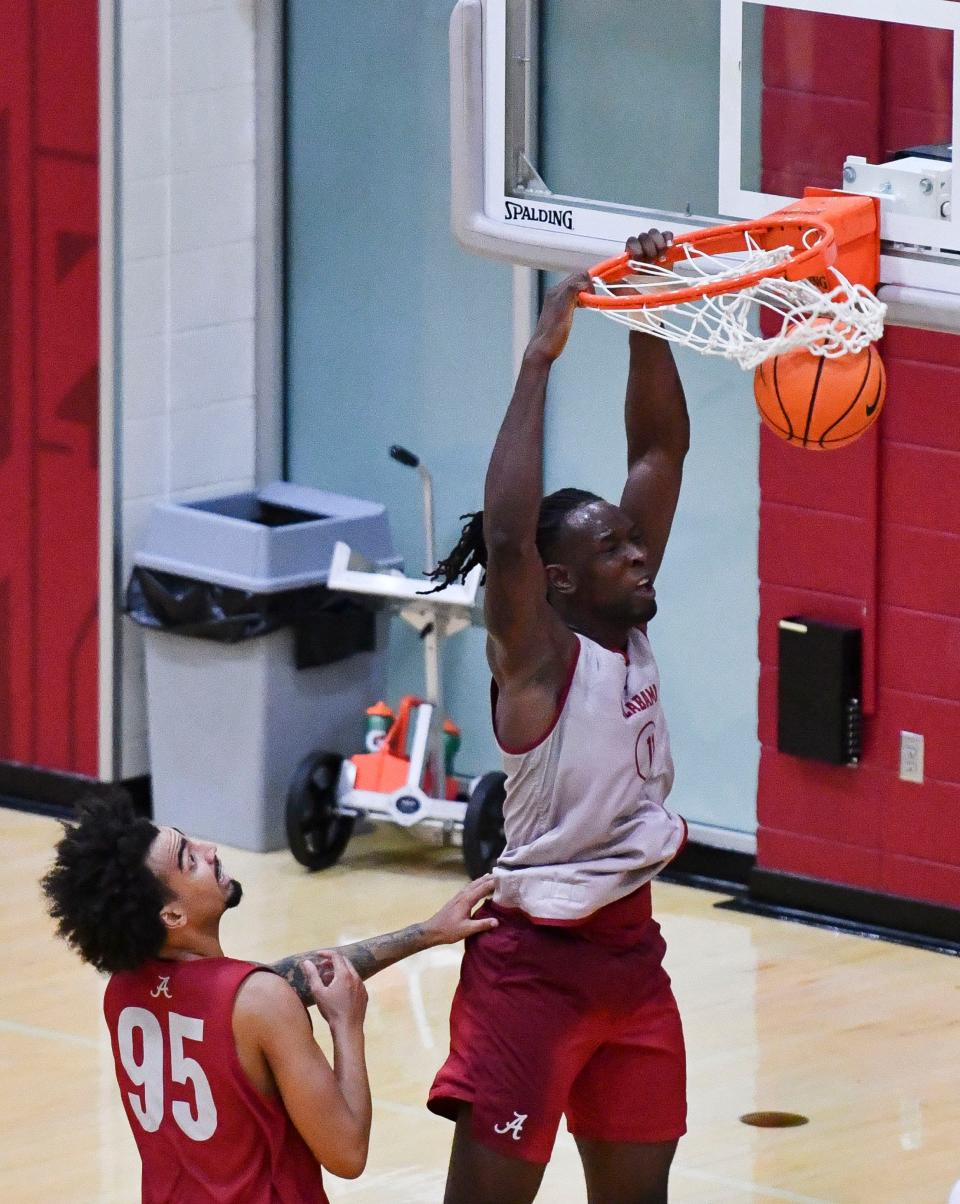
(289, 968)
(366, 957)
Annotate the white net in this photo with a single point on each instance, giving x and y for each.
(845, 319)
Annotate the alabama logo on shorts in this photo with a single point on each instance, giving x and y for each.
(514, 1126)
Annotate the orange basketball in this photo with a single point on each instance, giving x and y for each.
(820, 403)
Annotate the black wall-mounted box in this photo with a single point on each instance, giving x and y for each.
(819, 691)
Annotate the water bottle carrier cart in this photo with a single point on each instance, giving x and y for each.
(405, 776)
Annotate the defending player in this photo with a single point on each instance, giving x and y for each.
(229, 1097)
(566, 1007)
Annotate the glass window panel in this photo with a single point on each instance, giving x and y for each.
(820, 87)
(629, 102)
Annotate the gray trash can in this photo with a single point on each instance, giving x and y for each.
(229, 721)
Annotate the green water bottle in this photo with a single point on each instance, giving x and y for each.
(451, 744)
(378, 721)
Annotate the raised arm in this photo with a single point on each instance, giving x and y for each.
(658, 429)
(453, 922)
(528, 646)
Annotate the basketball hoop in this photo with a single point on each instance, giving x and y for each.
(813, 265)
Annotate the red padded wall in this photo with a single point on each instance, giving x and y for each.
(868, 535)
(816, 110)
(48, 384)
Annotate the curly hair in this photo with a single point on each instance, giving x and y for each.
(105, 900)
(471, 549)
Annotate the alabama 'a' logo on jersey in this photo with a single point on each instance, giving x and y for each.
(162, 988)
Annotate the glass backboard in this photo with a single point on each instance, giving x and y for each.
(575, 124)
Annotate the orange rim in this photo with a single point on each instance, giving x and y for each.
(724, 240)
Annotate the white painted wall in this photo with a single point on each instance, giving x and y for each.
(187, 298)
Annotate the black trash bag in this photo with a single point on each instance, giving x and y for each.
(329, 626)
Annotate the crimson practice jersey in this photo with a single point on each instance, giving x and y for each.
(204, 1132)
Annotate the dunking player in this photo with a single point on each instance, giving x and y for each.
(565, 1007)
(229, 1097)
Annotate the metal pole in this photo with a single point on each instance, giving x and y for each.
(427, 482)
(431, 642)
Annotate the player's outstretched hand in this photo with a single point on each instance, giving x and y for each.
(454, 921)
(556, 316)
(649, 246)
(338, 991)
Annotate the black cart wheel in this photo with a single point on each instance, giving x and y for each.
(483, 836)
(316, 833)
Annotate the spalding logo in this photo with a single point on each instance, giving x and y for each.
(532, 213)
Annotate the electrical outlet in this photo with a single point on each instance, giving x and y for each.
(911, 757)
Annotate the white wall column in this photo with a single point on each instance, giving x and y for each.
(198, 295)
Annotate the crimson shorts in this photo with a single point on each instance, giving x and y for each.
(548, 1022)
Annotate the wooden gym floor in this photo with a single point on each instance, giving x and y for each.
(860, 1036)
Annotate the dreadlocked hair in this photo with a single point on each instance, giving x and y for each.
(105, 900)
(471, 550)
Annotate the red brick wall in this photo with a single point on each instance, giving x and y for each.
(868, 535)
(48, 383)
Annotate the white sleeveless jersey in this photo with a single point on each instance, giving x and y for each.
(584, 812)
